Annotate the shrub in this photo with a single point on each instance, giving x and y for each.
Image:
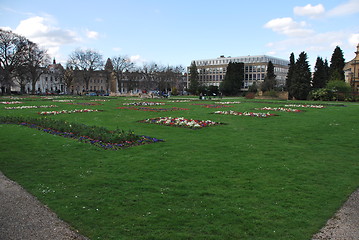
(338, 86)
(250, 95)
(174, 91)
(270, 93)
(322, 94)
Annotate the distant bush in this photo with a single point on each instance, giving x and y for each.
(270, 93)
(174, 91)
(334, 91)
(322, 94)
(250, 95)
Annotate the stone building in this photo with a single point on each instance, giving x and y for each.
(212, 71)
(351, 70)
(50, 81)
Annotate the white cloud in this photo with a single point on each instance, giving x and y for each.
(41, 31)
(137, 59)
(309, 10)
(348, 8)
(6, 28)
(117, 49)
(273, 53)
(318, 44)
(92, 34)
(287, 26)
(354, 39)
(98, 19)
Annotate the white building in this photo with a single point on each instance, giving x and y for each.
(212, 71)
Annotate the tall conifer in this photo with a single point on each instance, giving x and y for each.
(233, 79)
(290, 74)
(193, 78)
(300, 85)
(337, 63)
(320, 77)
(269, 81)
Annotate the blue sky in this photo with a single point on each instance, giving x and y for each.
(177, 32)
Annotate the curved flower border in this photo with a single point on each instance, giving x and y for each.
(68, 111)
(29, 107)
(304, 106)
(227, 102)
(181, 122)
(249, 114)
(154, 109)
(62, 100)
(144, 104)
(13, 102)
(279, 109)
(84, 104)
(210, 105)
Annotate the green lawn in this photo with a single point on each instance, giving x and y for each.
(280, 177)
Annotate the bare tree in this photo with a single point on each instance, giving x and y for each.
(149, 72)
(12, 50)
(69, 79)
(22, 78)
(86, 61)
(121, 64)
(162, 78)
(36, 61)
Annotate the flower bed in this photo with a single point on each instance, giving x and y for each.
(28, 107)
(250, 114)
(304, 106)
(279, 109)
(68, 111)
(181, 122)
(227, 102)
(144, 104)
(98, 136)
(179, 101)
(84, 104)
(13, 102)
(154, 109)
(62, 100)
(99, 100)
(210, 105)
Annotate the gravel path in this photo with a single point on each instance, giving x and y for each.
(23, 217)
(345, 223)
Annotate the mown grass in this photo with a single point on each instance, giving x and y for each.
(253, 178)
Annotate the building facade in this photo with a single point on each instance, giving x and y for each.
(351, 71)
(50, 81)
(213, 71)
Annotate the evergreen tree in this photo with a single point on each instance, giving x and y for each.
(320, 76)
(193, 79)
(233, 79)
(300, 85)
(290, 74)
(337, 63)
(326, 67)
(269, 81)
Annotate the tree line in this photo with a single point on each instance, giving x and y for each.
(23, 62)
(301, 84)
